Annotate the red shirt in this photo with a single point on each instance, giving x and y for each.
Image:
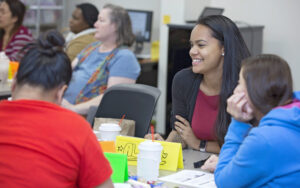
(44, 145)
(205, 115)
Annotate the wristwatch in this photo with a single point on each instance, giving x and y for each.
(202, 146)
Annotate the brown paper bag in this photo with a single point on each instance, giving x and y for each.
(127, 126)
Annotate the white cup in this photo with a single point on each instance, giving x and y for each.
(3, 73)
(109, 131)
(148, 160)
(97, 133)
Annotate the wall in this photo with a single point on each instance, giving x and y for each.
(179, 11)
(193, 8)
(176, 14)
(279, 17)
(281, 21)
(152, 5)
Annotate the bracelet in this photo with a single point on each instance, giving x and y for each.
(202, 146)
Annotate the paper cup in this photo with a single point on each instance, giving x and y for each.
(13, 68)
(3, 73)
(148, 160)
(109, 131)
(97, 133)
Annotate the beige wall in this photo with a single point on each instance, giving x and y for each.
(280, 18)
(281, 21)
(152, 5)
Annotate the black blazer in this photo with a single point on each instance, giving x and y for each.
(185, 88)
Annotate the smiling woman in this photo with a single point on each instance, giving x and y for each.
(13, 36)
(206, 53)
(199, 118)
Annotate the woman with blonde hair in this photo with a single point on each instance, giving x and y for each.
(104, 63)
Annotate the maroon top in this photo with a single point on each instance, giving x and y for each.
(205, 115)
(17, 42)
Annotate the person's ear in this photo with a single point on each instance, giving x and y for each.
(85, 25)
(114, 27)
(60, 93)
(223, 51)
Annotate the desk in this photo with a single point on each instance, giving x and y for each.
(5, 91)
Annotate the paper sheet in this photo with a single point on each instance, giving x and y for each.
(191, 178)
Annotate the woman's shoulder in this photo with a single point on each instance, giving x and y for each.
(123, 51)
(185, 76)
(185, 80)
(23, 34)
(86, 38)
(90, 47)
(23, 30)
(125, 54)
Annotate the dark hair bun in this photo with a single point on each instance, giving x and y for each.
(51, 42)
(45, 64)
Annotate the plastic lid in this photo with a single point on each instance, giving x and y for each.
(109, 127)
(3, 55)
(150, 146)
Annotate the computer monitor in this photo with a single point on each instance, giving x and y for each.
(208, 11)
(141, 21)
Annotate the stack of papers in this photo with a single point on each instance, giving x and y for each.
(191, 178)
(122, 185)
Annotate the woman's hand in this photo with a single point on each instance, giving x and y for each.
(239, 108)
(211, 163)
(184, 129)
(156, 137)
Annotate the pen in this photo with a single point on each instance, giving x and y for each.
(198, 164)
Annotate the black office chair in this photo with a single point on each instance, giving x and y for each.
(136, 101)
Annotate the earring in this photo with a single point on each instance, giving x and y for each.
(223, 54)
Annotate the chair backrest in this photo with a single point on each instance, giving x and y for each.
(136, 101)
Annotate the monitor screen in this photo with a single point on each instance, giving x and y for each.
(141, 24)
(208, 11)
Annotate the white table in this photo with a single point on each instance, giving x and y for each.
(190, 156)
